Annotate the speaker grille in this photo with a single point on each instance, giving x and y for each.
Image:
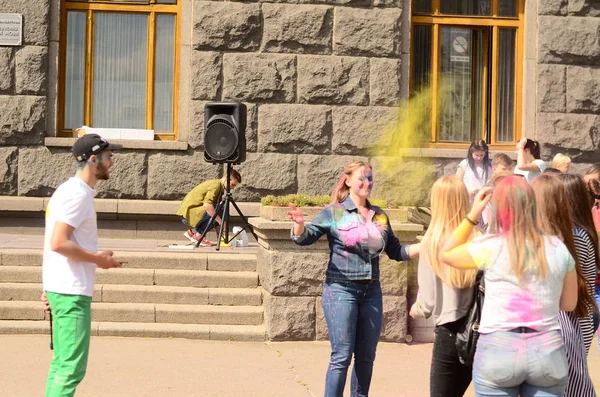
(221, 139)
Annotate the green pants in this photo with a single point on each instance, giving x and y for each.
(72, 320)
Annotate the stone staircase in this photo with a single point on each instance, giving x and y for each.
(198, 295)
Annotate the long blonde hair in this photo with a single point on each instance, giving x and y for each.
(341, 190)
(515, 216)
(449, 206)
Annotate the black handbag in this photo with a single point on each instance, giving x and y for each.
(466, 337)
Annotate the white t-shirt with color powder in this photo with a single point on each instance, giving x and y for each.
(533, 303)
(474, 181)
(529, 175)
(72, 203)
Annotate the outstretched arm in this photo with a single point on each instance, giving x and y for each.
(455, 251)
(398, 251)
(307, 234)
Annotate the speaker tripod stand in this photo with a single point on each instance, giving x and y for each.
(227, 200)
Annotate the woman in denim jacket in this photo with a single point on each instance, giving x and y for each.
(358, 233)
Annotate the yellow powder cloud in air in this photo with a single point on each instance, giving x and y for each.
(400, 179)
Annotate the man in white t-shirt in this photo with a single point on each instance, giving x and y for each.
(70, 261)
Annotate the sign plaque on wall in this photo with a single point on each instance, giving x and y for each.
(11, 29)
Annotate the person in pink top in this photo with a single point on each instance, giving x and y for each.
(529, 277)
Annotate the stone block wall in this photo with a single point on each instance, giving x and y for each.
(568, 80)
(23, 88)
(292, 279)
(321, 79)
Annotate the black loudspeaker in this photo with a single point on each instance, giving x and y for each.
(225, 132)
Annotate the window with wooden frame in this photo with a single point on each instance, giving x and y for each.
(119, 66)
(467, 54)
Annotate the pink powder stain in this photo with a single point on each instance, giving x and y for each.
(524, 306)
(351, 237)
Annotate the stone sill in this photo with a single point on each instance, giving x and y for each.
(18, 204)
(266, 224)
(274, 213)
(127, 144)
(448, 153)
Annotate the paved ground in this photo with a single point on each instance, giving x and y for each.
(133, 367)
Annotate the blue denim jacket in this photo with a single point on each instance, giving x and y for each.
(346, 230)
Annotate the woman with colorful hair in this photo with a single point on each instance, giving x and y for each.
(528, 277)
(445, 292)
(357, 232)
(562, 215)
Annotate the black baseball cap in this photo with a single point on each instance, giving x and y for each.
(90, 144)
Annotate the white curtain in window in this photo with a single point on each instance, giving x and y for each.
(460, 84)
(75, 69)
(164, 71)
(120, 70)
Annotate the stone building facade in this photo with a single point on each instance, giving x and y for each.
(321, 78)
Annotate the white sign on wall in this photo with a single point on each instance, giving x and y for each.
(11, 29)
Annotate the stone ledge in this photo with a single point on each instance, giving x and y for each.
(17, 203)
(127, 144)
(114, 206)
(262, 223)
(449, 153)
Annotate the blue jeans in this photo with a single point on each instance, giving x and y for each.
(354, 313)
(520, 364)
(204, 221)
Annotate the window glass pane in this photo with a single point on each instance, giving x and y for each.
(167, 1)
(422, 42)
(423, 6)
(75, 69)
(506, 85)
(507, 8)
(460, 84)
(120, 75)
(111, 1)
(465, 7)
(164, 71)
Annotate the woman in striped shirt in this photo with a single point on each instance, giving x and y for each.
(563, 212)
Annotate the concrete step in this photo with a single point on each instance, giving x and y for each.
(146, 313)
(246, 333)
(149, 260)
(161, 277)
(146, 294)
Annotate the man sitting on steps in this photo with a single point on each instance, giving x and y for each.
(201, 203)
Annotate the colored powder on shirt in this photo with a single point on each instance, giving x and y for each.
(523, 304)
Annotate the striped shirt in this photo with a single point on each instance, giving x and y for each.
(578, 333)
